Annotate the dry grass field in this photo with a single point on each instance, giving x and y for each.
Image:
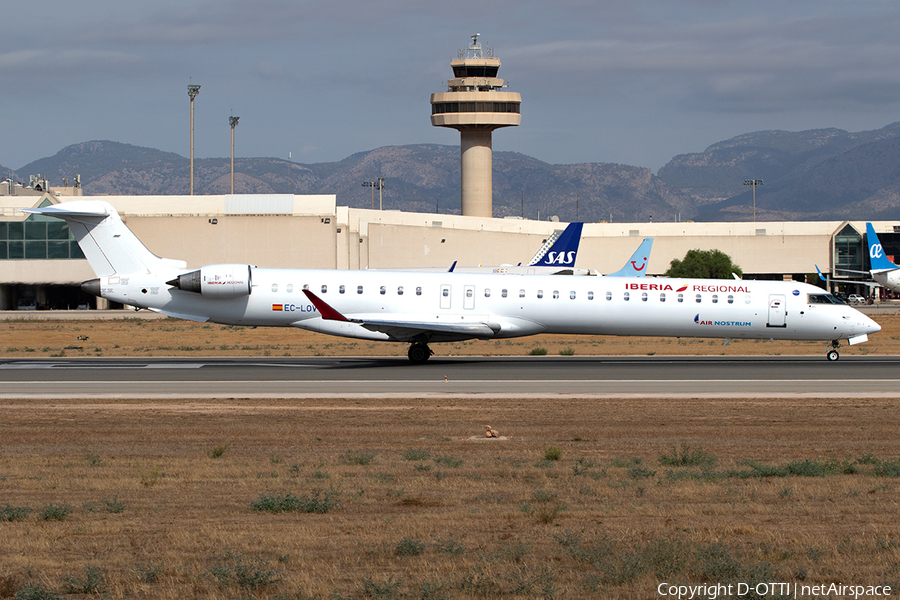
(365, 498)
(401, 499)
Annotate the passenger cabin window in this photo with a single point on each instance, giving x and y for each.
(662, 296)
(699, 297)
(590, 295)
(470, 292)
(487, 292)
(342, 289)
(359, 289)
(290, 288)
(324, 289)
(730, 299)
(503, 293)
(540, 293)
(555, 294)
(571, 295)
(400, 290)
(715, 298)
(609, 295)
(643, 296)
(445, 292)
(274, 287)
(626, 297)
(521, 293)
(681, 297)
(747, 299)
(382, 290)
(418, 291)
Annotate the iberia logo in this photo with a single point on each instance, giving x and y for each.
(278, 307)
(682, 288)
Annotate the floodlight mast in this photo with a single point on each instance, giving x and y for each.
(233, 121)
(753, 183)
(193, 90)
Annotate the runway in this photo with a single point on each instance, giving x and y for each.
(488, 377)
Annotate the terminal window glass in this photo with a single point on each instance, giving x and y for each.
(848, 249)
(37, 238)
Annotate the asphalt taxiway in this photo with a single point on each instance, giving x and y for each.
(487, 377)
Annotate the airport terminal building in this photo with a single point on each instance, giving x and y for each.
(41, 266)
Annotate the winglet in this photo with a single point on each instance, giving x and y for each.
(328, 313)
(820, 274)
(453, 266)
(877, 259)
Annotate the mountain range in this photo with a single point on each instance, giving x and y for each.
(823, 174)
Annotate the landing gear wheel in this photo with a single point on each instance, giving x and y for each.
(832, 354)
(419, 353)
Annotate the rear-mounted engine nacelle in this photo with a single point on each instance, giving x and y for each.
(216, 281)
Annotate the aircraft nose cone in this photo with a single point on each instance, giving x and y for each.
(871, 326)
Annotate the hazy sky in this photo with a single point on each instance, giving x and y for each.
(632, 81)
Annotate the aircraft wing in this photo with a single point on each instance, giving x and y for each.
(404, 329)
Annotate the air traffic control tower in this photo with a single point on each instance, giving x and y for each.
(474, 104)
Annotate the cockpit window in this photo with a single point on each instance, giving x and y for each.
(824, 299)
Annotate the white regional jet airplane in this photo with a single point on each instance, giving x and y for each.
(420, 308)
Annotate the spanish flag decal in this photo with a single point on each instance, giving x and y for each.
(278, 307)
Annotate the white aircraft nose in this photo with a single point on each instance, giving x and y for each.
(870, 325)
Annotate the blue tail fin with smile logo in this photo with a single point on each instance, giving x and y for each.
(878, 261)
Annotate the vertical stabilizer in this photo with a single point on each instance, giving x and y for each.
(561, 250)
(637, 264)
(110, 247)
(878, 261)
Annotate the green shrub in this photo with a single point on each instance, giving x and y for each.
(247, 572)
(359, 457)
(538, 352)
(14, 513)
(409, 547)
(449, 461)
(217, 451)
(552, 453)
(55, 512)
(93, 582)
(35, 591)
(320, 502)
(114, 505)
(416, 454)
(687, 457)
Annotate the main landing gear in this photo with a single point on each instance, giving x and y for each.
(419, 353)
(832, 353)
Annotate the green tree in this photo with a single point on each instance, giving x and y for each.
(704, 264)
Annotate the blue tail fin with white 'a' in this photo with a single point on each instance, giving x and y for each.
(637, 264)
(561, 251)
(878, 261)
(110, 247)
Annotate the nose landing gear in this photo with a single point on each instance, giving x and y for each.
(832, 353)
(419, 353)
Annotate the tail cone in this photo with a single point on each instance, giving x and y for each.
(92, 286)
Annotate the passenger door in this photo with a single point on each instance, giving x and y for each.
(776, 311)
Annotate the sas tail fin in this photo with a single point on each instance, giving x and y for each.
(878, 262)
(637, 264)
(110, 247)
(559, 250)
